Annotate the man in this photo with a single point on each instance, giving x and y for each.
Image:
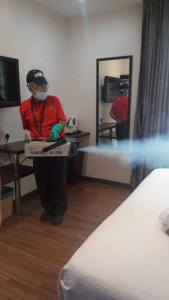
(43, 119)
(119, 112)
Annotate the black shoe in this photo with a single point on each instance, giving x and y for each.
(57, 220)
(44, 217)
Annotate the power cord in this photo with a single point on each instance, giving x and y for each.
(7, 136)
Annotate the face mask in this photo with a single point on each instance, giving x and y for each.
(41, 96)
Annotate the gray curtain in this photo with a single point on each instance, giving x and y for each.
(152, 115)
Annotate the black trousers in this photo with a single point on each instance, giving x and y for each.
(50, 175)
(122, 131)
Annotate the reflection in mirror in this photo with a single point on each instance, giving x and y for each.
(113, 99)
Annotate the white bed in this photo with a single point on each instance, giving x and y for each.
(127, 257)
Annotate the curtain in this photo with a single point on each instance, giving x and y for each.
(152, 113)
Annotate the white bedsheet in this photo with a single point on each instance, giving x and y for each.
(127, 257)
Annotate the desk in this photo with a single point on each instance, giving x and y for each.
(107, 126)
(15, 171)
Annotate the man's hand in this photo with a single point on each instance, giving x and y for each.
(54, 134)
(114, 117)
(27, 135)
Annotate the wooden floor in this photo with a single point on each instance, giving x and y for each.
(32, 253)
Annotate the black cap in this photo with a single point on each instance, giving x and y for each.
(124, 87)
(36, 76)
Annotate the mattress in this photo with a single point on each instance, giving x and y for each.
(127, 257)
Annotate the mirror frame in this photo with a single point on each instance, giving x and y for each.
(98, 60)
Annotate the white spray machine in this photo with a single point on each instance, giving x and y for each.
(60, 148)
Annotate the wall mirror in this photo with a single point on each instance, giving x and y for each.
(114, 81)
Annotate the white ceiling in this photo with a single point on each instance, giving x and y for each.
(73, 8)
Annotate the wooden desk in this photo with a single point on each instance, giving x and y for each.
(78, 135)
(74, 164)
(14, 171)
(107, 126)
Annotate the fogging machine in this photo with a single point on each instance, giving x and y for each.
(60, 148)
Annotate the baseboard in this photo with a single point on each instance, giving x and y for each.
(108, 182)
(29, 195)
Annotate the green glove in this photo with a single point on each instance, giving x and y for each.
(54, 134)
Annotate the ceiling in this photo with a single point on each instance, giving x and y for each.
(73, 8)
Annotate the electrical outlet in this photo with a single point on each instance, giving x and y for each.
(6, 134)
